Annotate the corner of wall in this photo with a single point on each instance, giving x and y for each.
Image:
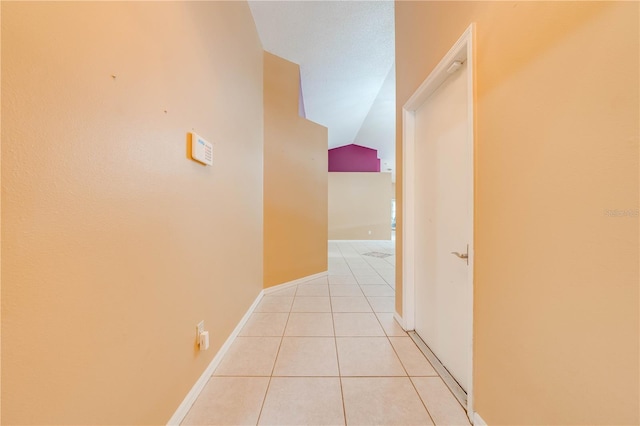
(295, 180)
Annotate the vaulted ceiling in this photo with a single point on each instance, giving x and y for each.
(345, 50)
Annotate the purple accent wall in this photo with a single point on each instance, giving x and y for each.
(353, 158)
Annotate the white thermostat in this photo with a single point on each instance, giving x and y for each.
(201, 150)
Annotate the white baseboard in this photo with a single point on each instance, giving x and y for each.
(477, 420)
(191, 397)
(399, 320)
(294, 282)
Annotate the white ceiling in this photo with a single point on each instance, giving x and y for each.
(345, 50)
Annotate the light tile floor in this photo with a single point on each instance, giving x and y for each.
(328, 352)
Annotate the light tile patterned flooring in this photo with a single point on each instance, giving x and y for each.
(328, 352)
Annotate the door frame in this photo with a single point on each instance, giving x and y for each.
(462, 50)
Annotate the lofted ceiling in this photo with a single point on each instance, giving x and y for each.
(345, 50)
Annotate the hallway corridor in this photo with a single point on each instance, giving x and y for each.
(328, 351)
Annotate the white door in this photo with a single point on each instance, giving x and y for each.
(443, 218)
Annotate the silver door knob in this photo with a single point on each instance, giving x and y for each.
(463, 256)
(460, 255)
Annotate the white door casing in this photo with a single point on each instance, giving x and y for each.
(438, 165)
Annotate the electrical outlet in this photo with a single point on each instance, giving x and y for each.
(202, 337)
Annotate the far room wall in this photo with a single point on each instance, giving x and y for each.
(359, 206)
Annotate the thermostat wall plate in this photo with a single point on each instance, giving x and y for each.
(201, 150)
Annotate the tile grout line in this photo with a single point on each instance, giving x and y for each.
(410, 377)
(374, 312)
(276, 358)
(374, 270)
(388, 340)
(354, 251)
(424, 404)
(335, 342)
(403, 366)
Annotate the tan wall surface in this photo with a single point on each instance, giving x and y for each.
(114, 244)
(295, 180)
(359, 203)
(556, 278)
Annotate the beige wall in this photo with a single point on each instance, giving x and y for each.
(295, 180)
(114, 244)
(359, 203)
(556, 278)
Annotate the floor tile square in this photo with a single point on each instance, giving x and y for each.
(368, 356)
(383, 401)
(311, 304)
(350, 304)
(249, 356)
(378, 291)
(442, 405)
(370, 280)
(383, 304)
(339, 271)
(352, 324)
(342, 279)
(362, 270)
(411, 357)
(229, 401)
(265, 324)
(390, 325)
(313, 290)
(303, 401)
(376, 263)
(386, 269)
(289, 291)
(389, 278)
(274, 304)
(309, 324)
(345, 290)
(307, 356)
(321, 280)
